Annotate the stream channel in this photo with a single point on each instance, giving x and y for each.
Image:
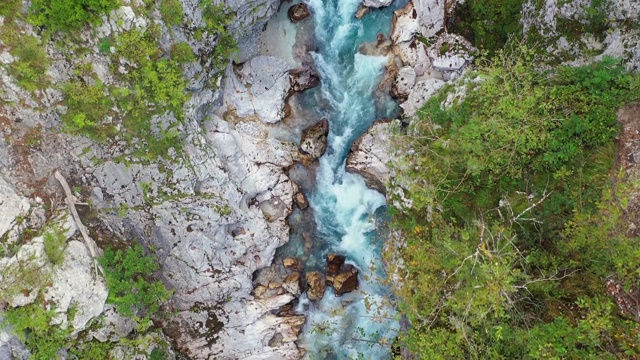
(361, 324)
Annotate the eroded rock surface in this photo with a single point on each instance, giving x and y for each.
(315, 285)
(298, 12)
(314, 140)
(370, 154)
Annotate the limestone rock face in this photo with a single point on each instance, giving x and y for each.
(74, 283)
(239, 330)
(424, 17)
(258, 88)
(420, 93)
(346, 281)
(298, 12)
(315, 285)
(404, 82)
(314, 139)
(12, 206)
(369, 155)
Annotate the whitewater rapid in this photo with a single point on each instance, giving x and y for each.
(361, 324)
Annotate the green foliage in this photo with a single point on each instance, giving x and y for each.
(171, 12)
(9, 7)
(68, 15)
(87, 106)
(488, 23)
(31, 63)
(90, 350)
(153, 86)
(104, 46)
(129, 279)
(31, 324)
(54, 245)
(217, 18)
(515, 220)
(182, 53)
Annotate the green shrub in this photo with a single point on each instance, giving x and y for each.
(129, 278)
(104, 47)
(31, 63)
(31, 323)
(87, 107)
(182, 53)
(171, 12)
(90, 350)
(67, 15)
(217, 18)
(9, 7)
(515, 221)
(54, 245)
(488, 24)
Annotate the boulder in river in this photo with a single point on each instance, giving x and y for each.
(369, 155)
(290, 263)
(314, 140)
(315, 285)
(298, 12)
(304, 78)
(346, 281)
(292, 284)
(334, 263)
(301, 201)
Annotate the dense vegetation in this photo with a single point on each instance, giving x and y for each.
(69, 15)
(131, 286)
(518, 215)
(132, 290)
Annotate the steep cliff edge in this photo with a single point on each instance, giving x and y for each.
(199, 181)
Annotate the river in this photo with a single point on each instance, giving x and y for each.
(361, 324)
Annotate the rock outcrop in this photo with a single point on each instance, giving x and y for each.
(298, 12)
(346, 280)
(315, 285)
(314, 141)
(258, 88)
(370, 154)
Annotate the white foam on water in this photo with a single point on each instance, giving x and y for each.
(360, 324)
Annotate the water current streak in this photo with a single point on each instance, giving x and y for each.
(360, 324)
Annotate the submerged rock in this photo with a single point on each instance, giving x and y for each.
(301, 201)
(315, 285)
(346, 281)
(314, 141)
(298, 12)
(362, 11)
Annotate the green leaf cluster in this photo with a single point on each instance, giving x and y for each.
(171, 12)
(152, 85)
(54, 245)
(516, 222)
(132, 289)
(69, 15)
(31, 63)
(488, 24)
(32, 325)
(218, 18)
